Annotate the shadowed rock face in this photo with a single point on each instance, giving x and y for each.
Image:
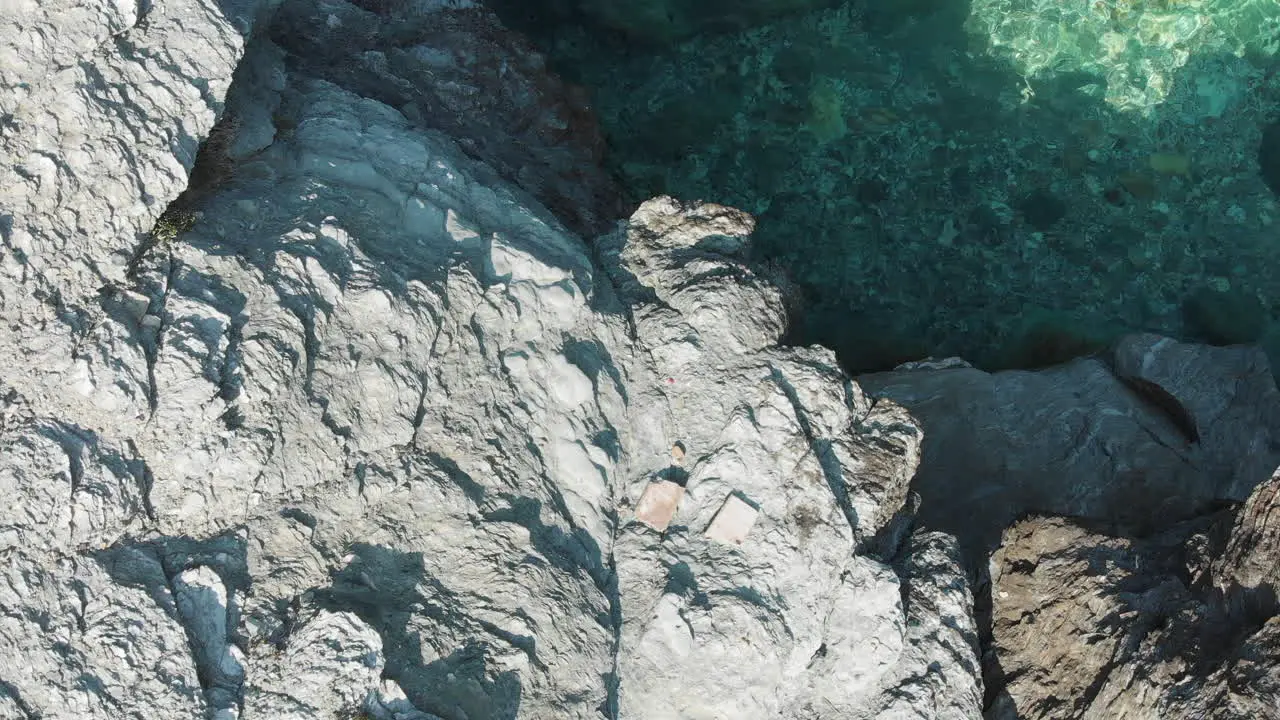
(1154, 431)
(1183, 625)
(453, 67)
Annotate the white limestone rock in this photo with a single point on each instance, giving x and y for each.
(201, 599)
(791, 623)
(367, 434)
(330, 663)
(75, 644)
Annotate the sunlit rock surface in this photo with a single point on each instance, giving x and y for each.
(358, 426)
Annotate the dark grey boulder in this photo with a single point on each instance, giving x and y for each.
(1154, 431)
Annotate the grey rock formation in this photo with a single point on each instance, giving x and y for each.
(939, 615)
(338, 417)
(331, 660)
(1181, 625)
(825, 467)
(357, 426)
(453, 67)
(1157, 431)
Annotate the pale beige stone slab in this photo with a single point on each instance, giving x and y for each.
(658, 504)
(733, 522)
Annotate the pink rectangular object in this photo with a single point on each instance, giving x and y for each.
(658, 504)
(732, 523)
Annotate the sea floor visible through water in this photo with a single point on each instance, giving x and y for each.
(929, 199)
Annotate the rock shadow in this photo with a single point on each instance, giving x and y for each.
(205, 602)
(1160, 606)
(417, 617)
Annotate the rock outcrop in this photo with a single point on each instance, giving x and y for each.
(358, 426)
(1154, 431)
(453, 67)
(1180, 625)
(316, 405)
(825, 468)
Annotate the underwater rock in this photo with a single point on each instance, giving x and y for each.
(665, 21)
(1225, 317)
(1042, 209)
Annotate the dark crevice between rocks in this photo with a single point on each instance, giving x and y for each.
(1163, 403)
(146, 482)
(1241, 612)
(892, 539)
(994, 677)
(612, 681)
(420, 410)
(229, 380)
(609, 709)
(472, 489)
(211, 170)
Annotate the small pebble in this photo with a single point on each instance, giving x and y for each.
(677, 453)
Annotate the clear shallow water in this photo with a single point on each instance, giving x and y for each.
(929, 196)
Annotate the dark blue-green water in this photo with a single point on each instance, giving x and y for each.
(1007, 182)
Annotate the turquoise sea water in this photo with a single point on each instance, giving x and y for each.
(1008, 181)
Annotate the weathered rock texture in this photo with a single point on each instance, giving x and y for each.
(358, 426)
(1181, 625)
(453, 67)
(335, 417)
(1154, 432)
(784, 430)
